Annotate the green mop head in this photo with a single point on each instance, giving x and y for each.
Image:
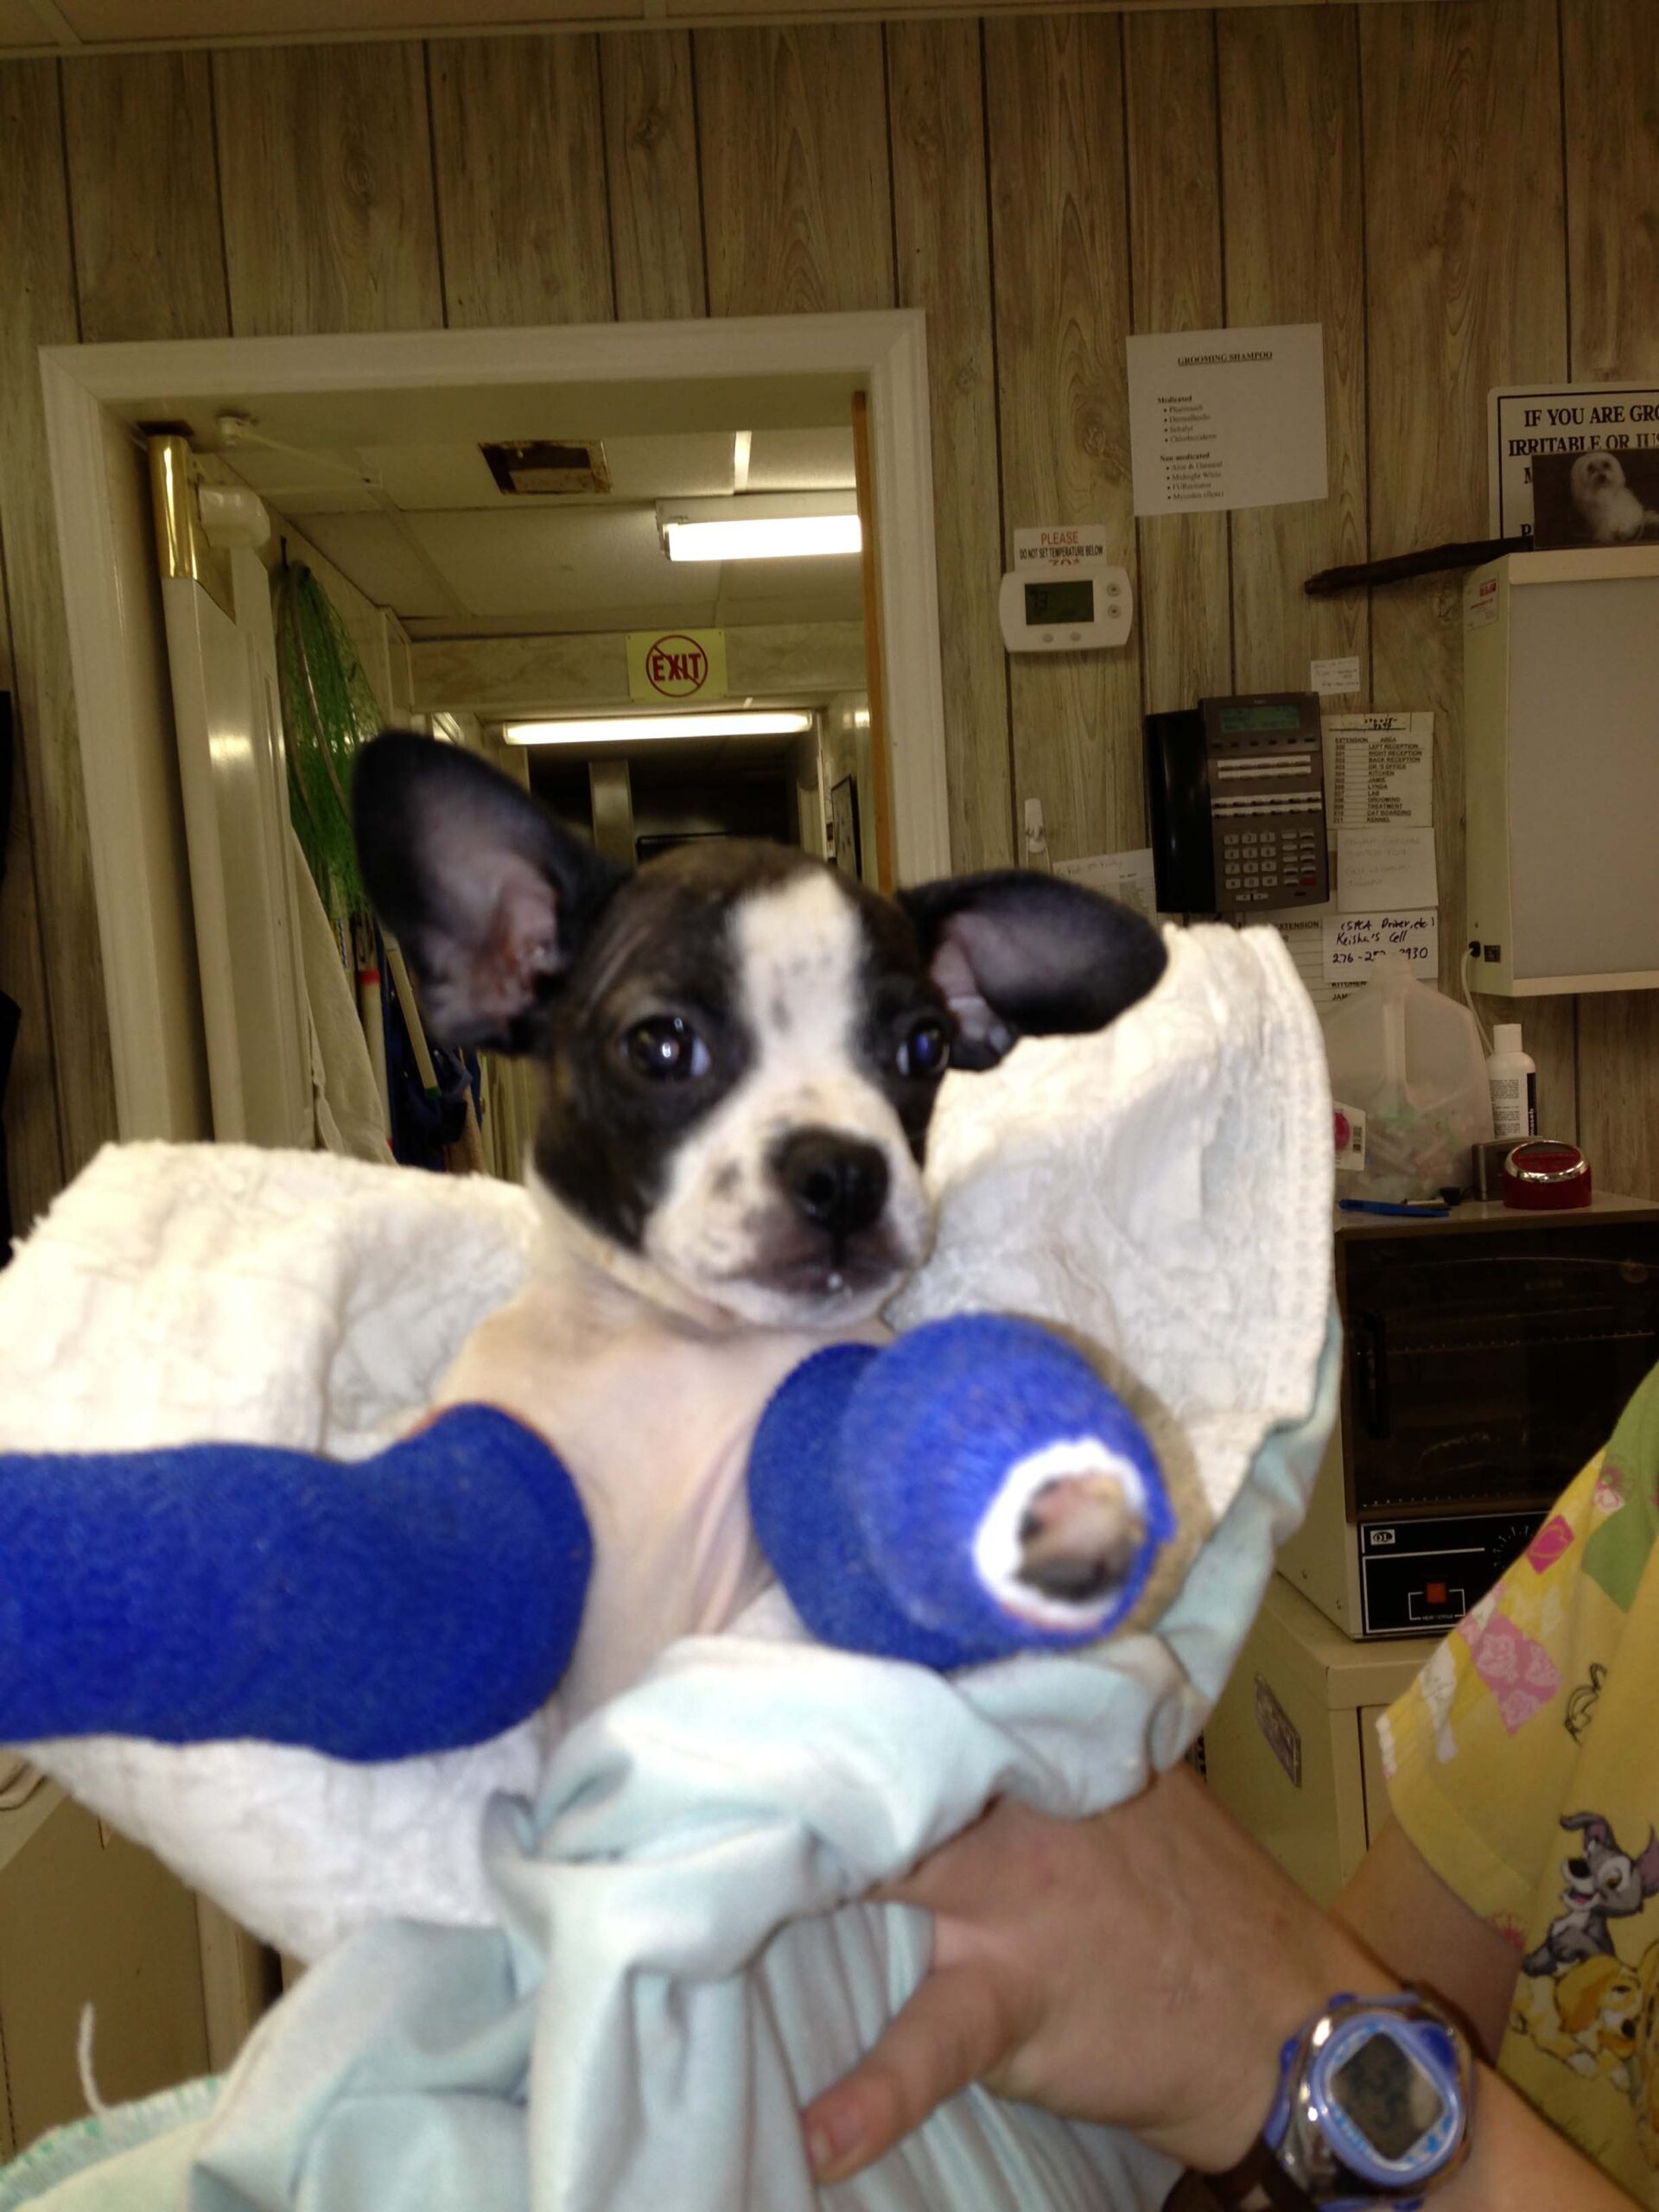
(328, 710)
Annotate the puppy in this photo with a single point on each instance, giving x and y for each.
(1612, 513)
(742, 1049)
(1587, 2017)
(1603, 1883)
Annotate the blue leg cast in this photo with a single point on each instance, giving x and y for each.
(972, 1490)
(423, 1600)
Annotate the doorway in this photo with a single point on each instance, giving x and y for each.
(490, 643)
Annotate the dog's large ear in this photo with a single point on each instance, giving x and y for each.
(489, 899)
(1018, 954)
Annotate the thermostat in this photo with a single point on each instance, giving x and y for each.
(1064, 609)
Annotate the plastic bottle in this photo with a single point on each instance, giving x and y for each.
(1513, 1078)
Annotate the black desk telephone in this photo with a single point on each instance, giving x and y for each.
(1236, 790)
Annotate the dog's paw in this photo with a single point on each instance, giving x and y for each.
(1079, 1537)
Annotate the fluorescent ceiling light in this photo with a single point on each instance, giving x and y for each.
(636, 729)
(758, 540)
(778, 526)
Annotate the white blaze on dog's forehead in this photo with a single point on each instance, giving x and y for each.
(799, 949)
(798, 952)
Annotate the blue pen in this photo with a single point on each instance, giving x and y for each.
(1413, 1208)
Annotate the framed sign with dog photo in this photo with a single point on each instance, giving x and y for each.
(1600, 497)
(1528, 423)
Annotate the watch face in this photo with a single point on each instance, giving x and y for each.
(1386, 2095)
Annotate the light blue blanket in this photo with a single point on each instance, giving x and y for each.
(679, 1964)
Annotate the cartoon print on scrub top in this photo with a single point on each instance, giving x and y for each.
(1524, 1764)
(1581, 1706)
(1595, 2016)
(1603, 1884)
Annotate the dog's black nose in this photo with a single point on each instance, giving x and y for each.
(835, 1181)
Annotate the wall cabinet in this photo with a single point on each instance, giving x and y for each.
(1291, 1748)
(88, 1918)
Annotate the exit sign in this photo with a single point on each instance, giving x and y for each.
(677, 668)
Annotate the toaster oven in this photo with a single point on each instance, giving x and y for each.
(1486, 1359)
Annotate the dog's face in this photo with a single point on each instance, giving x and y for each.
(743, 1046)
(1600, 1999)
(1607, 1877)
(1595, 474)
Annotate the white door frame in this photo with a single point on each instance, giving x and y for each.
(884, 353)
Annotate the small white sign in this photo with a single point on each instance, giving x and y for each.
(1061, 545)
(1479, 602)
(1526, 420)
(1350, 943)
(1227, 418)
(1334, 679)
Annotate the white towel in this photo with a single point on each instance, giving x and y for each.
(1164, 1189)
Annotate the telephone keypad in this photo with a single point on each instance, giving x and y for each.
(1273, 858)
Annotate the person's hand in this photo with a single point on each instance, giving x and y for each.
(1142, 1968)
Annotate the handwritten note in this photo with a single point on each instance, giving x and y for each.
(1380, 868)
(1379, 769)
(1349, 944)
(1125, 876)
(1334, 679)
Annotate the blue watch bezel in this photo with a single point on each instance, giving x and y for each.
(1431, 2047)
(1306, 2098)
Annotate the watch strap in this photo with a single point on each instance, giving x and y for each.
(1258, 2184)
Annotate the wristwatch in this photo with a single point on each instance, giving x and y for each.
(1373, 2109)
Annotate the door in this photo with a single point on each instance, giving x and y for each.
(233, 776)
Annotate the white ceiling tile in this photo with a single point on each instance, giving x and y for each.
(373, 552)
(801, 461)
(824, 590)
(572, 560)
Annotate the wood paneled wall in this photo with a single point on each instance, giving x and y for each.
(1462, 192)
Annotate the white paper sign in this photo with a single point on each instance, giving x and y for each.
(1349, 943)
(1334, 679)
(1059, 545)
(1379, 769)
(1126, 876)
(1479, 602)
(1379, 868)
(1227, 418)
(1525, 420)
(1305, 942)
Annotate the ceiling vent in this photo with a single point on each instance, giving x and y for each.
(545, 465)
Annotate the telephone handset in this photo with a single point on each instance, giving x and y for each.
(1235, 789)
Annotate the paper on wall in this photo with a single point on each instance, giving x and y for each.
(1305, 942)
(1227, 418)
(1377, 867)
(1334, 679)
(1125, 876)
(1379, 769)
(1350, 943)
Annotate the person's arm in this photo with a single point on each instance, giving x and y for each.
(1142, 1969)
(1424, 1933)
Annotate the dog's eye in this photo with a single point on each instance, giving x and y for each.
(926, 1050)
(666, 1048)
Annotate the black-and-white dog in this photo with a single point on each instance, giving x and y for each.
(743, 1048)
